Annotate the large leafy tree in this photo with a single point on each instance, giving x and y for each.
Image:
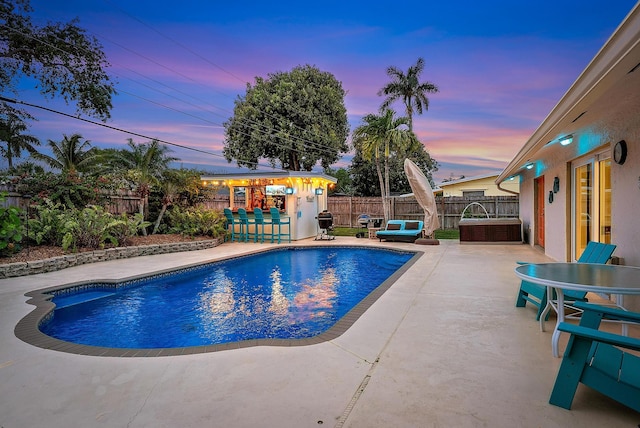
(71, 155)
(377, 138)
(61, 57)
(294, 120)
(408, 88)
(13, 138)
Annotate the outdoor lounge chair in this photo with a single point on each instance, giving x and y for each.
(401, 230)
(599, 359)
(596, 252)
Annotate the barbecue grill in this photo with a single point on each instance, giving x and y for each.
(325, 226)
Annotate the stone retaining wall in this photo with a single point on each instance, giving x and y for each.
(77, 259)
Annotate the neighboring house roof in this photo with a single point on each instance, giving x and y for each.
(605, 94)
(479, 183)
(466, 179)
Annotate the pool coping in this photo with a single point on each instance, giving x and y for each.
(28, 329)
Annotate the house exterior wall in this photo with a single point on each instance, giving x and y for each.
(486, 184)
(625, 202)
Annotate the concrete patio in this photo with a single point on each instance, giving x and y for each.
(443, 347)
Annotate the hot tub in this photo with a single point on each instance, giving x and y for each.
(483, 230)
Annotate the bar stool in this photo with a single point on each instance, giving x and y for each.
(245, 222)
(277, 220)
(231, 223)
(260, 221)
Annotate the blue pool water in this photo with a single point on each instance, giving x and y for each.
(285, 293)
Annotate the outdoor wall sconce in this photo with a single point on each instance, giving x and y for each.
(550, 196)
(565, 141)
(288, 190)
(556, 185)
(319, 191)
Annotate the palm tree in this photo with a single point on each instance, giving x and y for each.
(409, 89)
(377, 138)
(71, 155)
(12, 130)
(174, 183)
(144, 165)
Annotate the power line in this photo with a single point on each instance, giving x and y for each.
(104, 125)
(257, 126)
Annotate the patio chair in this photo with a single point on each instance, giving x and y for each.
(259, 221)
(276, 220)
(596, 252)
(245, 223)
(231, 223)
(599, 359)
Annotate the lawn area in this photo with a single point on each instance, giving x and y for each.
(440, 233)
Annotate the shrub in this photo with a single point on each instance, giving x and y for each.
(196, 222)
(50, 224)
(11, 228)
(89, 227)
(128, 227)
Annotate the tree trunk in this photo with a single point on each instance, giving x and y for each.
(383, 195)
(141, 211)
(159, 219)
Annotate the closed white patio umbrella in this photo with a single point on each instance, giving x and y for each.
(424, 195)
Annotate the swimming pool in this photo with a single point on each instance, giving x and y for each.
(292, 295)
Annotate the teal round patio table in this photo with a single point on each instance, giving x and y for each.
(613, 280)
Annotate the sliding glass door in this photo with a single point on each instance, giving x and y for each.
(591, 208)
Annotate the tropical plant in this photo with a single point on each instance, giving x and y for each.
(11, 228)
(195, 221)
(61, 57)
(376, 139)
(49, 225)
(12, 134)
(409, 89)
(93, 226)
(89, 227)
(293, 119)
(363, 172)
(143, 166)
(70, 155)
(127, 227)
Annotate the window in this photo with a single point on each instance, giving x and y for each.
(473, 193)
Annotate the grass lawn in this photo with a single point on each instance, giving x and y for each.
(440, 233)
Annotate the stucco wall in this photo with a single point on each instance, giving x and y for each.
(625, 201)
(487, 185)
(557, 236)
(526, 210)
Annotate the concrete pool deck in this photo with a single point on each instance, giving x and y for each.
(445, 346)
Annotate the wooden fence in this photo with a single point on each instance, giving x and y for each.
(345, 210)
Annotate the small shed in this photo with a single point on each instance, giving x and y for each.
(298, 195)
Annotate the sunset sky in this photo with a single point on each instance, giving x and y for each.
(501, 66)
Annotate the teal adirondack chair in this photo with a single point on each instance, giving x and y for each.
(260, 222)
(598, 359)
(536, 294)
(276, 220)
(245, 225)
(231, 223)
